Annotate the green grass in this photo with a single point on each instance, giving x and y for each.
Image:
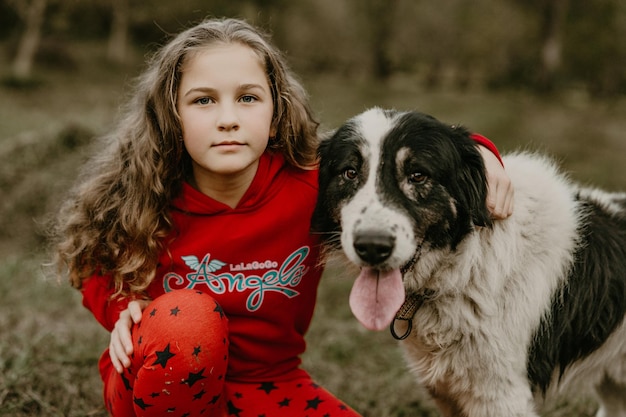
(50, 344)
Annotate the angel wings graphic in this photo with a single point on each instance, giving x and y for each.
(210, 265)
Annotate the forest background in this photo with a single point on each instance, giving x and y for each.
(547, 75)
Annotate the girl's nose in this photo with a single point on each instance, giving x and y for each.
(228, 119)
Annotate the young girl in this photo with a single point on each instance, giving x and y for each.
(189, 235)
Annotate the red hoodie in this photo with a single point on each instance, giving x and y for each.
(258, 260)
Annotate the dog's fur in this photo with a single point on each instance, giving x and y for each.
(513, 310)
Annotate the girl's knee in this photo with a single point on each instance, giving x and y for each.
(180, 352)
(184, 327)
(182, 311)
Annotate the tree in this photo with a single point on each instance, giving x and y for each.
(594, 51)
(382, 18)
(118, 38)
(555, 13)
(379, 19)
(547, 43)
(32, 14)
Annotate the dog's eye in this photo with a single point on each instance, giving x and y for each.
(417, 178)
(350, 174)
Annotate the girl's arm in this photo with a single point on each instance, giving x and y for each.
(117, 315)
(500, 190)
(97, 292)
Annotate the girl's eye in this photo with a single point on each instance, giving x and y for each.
(203, 101)
(417, 178)
(248, 99)
(350, 174)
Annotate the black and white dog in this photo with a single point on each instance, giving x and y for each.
(496, 315)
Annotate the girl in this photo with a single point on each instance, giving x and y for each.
(189, 236)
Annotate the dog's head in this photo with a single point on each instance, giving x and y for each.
(391, 185)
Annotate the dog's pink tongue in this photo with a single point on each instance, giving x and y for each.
(376, 297)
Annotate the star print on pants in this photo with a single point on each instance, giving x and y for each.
(196, 351)
(174, 311)
(284, 403)
(163, 356)
(218, 309)
(313, 404)
(126, 383)
(232, 410)
(141, 404)
(199, 395)
(267, 387)
(194, 377)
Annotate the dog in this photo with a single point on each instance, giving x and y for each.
(497, 316)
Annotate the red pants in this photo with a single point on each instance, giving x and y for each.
(179, 369)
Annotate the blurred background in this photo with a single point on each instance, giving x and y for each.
(546, 75)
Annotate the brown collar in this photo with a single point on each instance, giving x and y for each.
(412, 302)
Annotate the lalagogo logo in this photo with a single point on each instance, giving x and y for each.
(206, 272)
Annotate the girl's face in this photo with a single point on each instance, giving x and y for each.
(225, 105)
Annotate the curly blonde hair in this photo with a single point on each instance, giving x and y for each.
(117, 218)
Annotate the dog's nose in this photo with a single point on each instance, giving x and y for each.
(373, 247)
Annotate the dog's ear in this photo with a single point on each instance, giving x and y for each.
(472, 178)
(321, 213)
(326, 136)
(320, 218)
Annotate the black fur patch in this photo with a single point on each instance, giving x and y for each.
(337, 154)
(591, 303)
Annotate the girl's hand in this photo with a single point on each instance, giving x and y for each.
(121, 344)
(500, 190)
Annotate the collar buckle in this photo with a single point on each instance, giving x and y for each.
(412, 303)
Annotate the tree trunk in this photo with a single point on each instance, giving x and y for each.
(29, 42)
(118, 38)
(379, 20)
(552, 48)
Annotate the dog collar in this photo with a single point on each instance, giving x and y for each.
(412, 303)
(418, 252)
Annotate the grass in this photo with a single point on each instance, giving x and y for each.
(50, 344)
(48, 357)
